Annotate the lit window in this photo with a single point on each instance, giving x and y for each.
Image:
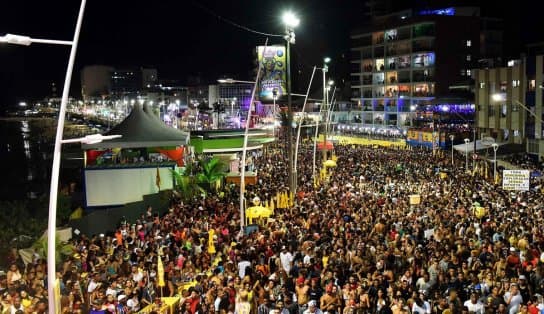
(463, 72)
(469, 57)
(482, 85)
(469, 43)
(532, 85)
(469, 72)
(515, 83)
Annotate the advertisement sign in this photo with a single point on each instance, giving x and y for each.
(273, 70)
(516, 180)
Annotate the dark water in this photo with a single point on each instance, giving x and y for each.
(26, 150)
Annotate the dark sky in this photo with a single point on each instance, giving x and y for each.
(179, 38)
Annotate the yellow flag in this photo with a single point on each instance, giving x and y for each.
(57, 295)
(160, 272)
(291, 199)
(211, 246)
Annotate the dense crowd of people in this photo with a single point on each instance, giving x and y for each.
(354, 243)
(526, 161)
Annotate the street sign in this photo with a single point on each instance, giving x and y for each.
(516, 180)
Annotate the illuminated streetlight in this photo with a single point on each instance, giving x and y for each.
(495, 148)
(244, 147)
(232, 81)
(290, 19)
(53, 192)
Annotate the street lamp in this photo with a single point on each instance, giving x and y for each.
(325, 69)
(451, 139)
(26, 41)
(274, 97)
(232, 81)
(297, 141)
(91, 139)
(244, 147)
(53, 193)
(291, 21)
(495, 148)
(466, 153)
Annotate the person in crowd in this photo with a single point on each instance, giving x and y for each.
(348, 242)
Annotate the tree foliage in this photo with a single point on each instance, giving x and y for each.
(62, 249)
(212, 171)
(192, 181)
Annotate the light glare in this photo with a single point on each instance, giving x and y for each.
(290, 19)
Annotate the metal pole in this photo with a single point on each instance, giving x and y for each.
(451, 138)
(53, 191)
(494, 163)
(466, 155)
(325, 68)
(474, 152)
(52, 42)
(495, 148)
(244, 149)
(329, 111)
(274, 113)
(315, 148)
(299, 126)
(292, 185)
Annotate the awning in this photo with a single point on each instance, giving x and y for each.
(469, 147)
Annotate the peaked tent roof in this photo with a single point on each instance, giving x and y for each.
(140, 129)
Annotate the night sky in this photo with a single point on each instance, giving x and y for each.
(186, 38)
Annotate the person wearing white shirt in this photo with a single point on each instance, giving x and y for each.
(137, 275)
(286, 259)
(421, 306)
(513, 299)
(242, 265)
(93, 284)
(474, 305)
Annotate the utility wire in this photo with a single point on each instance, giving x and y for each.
(220, 18)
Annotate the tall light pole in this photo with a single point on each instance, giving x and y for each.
(274, 113)
(290, 21)
(495, 148)
(53, 192)
(244, 147)
(451, 139)
(300, 125)
(325, 69)
(466, 153)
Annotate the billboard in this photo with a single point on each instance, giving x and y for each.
(273, 70)
(516, 180)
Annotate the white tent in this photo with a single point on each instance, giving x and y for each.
(469, 148)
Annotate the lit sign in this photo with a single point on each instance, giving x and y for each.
(273, 70)
(444, 11)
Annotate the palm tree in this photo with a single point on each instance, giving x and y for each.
(212, 172)
(186, 183)
(62, 249)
